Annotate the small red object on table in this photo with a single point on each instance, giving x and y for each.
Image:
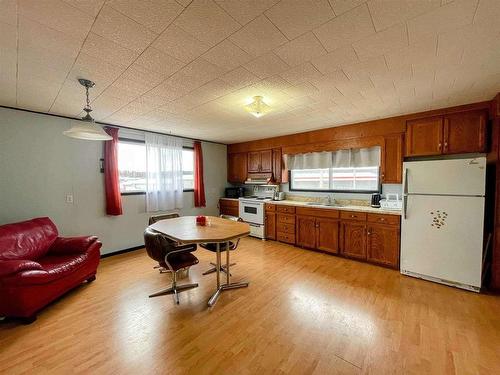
(201, 220)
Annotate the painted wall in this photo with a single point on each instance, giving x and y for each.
(39, 166)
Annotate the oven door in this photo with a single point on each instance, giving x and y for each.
(252, 212)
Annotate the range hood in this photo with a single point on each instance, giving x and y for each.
(259, 178)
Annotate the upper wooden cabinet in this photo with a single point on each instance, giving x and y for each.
(424, 136)
(237, 167)
(465, 132)
(392, 160)
(260, 161)
(455, 133)
(277, 165)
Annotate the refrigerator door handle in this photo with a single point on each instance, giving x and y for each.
(405, 203)
(405, 192)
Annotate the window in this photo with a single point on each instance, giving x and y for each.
(132, 167)
(362, 179)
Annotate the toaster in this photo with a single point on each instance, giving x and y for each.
(279, 196)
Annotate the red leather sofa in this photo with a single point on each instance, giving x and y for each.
(37, 266)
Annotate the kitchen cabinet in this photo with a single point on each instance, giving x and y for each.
(260, 161)
(455, 133)
(237, 167)
(306, 231)
(270, 221)
(465, 132)
(285, 224)
(277, 165)
(229, 207)
(353, 237)
(383, 244)
(424, 136)
(392, 165)
(327, 235)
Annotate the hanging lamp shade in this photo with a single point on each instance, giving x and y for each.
(87, 128)
(258, 107)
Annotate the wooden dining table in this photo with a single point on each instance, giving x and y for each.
(217, 230)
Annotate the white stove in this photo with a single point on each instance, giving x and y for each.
(251, 210)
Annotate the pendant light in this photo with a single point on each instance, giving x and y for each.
(87, 128)
(258, 107)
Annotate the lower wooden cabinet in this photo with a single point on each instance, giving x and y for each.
(306, 231)
(354, 239)
(229, 207)
(270, 225)
(327, 235)
(383, 244)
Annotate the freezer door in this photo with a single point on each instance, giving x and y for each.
(447, 177)
(442, 237)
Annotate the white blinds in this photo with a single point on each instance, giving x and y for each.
(351, 158)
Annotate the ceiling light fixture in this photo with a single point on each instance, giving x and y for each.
(258, 107)
(87, 128)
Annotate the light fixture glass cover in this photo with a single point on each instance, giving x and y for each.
(87, 128)
(258, 107)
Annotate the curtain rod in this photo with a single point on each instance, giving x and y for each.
(107, 124)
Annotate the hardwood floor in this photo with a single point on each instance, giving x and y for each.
(303, 313)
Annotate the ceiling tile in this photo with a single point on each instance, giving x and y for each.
(422, 50)
(393, 38)
(240, 78)
(179, 44)
(91, 7)
(95, 69)
(300, 50)
(244, 11)
(9, 12)
(57, 15)
(296, 17)
(487, 11)
(445, 18)
(303, 89)
(302, 73)
(389, 13)
(156, 15)
(207, 22)
(348, 28)
(335, 60)
(100, 47)
(139, 79)
(258, 37)
(120, 29)
(367, 68)
(227, 55)
(159, 62)
(266, 65)
(342, 6)
(194, 75)
(28, 94)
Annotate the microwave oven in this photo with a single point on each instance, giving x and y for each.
(234, 192)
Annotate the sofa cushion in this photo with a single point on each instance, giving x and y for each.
(28, 240)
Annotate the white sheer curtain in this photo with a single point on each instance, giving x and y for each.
(350, 158)
(163, 172)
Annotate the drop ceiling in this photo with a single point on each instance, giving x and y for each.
(189, 67)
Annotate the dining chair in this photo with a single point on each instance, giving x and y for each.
(172, 257)
(213, 247)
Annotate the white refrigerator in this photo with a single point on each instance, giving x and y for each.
(443, 220)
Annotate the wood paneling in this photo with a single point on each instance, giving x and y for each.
(424, 137)
(237, 167)
(354, 239)
(306, 231)
(382, 244)
(465, 132)
(327, 234)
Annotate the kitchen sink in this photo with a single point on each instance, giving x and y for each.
(324, 204)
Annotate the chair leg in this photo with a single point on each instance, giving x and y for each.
(174, 289)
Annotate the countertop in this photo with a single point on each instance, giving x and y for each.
(340, 208)
(230, 199)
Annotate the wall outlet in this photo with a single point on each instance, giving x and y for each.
(69, 198)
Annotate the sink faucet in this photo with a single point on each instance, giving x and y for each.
(330, 200)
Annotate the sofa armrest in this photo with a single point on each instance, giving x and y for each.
(10, 267)
(72, 245)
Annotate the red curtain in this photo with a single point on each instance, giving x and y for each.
(111, 177)
(199, 186)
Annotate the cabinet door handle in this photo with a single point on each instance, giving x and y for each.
(439, 146)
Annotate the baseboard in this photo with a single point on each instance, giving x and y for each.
(118, 252)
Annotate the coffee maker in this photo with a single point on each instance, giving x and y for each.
(376, 200)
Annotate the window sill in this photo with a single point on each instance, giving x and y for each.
(144, 193)
(337, 191)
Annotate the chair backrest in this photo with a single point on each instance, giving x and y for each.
(157, 245)
(156, 218)
(234, 245)
(28, 240)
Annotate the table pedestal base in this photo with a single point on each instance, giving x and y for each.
(228, 285)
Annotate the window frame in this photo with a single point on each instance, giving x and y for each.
(379, 184)
(130, 140)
